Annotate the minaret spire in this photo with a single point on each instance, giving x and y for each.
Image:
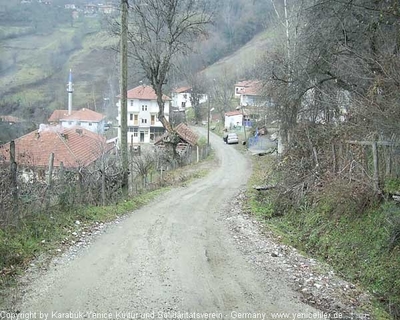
(70, 90)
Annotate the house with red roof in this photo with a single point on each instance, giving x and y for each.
(143, 123)
(237, 118)
(181, 98)
(249, 92)
(74, 147)
(85, 118)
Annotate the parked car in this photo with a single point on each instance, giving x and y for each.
(232, 138)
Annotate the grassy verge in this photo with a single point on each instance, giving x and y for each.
(361, 246)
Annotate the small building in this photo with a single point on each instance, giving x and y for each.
(70, 6)
(108, 8)
(9, 119)
(181, 98)
(85, 118)
(143, 123)
(237, 118)
(188, 139)
(74, 147)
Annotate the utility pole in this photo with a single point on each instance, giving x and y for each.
(123, 92)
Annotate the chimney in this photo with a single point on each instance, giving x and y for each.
(70, 90)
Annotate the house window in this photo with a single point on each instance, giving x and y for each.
(183, 105)
(131, 116)
(131, 129)
(70, 122)
(153, 119)
(135, 132)
(90, 124)
(135, 119)
(144, 120)
(79, 123)
(185, 96)
(131, 103)
(144, 107)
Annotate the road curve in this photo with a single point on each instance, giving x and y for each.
(174, 255)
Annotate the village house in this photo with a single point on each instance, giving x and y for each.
(237, 118)
(86, 118)
(143, 123)
(187, 139)
(10, 119)
(249, 93)
(73, 148)
(107, 8)
(181, 98)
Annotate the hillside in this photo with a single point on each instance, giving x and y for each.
(35, 69)
(245, 58)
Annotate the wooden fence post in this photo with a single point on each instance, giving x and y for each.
(49, 180)
(13, 169)
(334, 158)
(103, 182)
(376, 165)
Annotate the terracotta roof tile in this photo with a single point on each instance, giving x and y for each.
(250, 87)
(57, 115)
(84, 115)
(77, 115)
(184, 132)
(183, 89)
(144, 93)
(234, 113)
(187, 134)
(75, 147)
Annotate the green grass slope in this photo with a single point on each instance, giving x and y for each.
(35, 68)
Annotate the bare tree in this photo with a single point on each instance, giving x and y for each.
(221, 92)
(143, 164)
(159, 31)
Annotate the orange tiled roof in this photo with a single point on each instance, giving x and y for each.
(234, 113)
(186, 134)
(57, 115)
(144, 93)
(250, 87)
(84, 115)
(75, 147)
(77, 115)
(182, 89)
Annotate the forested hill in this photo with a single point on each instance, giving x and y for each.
(40, 42)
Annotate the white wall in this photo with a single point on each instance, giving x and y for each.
(231, 121)
(97, 127)
(178, 98)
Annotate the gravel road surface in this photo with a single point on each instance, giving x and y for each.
(171, 258)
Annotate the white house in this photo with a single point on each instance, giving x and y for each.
(237, 118)
(181, 98)
(249, 93)
(85, 118)
(143, 123)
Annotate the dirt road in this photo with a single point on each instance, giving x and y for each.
(172, 256)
